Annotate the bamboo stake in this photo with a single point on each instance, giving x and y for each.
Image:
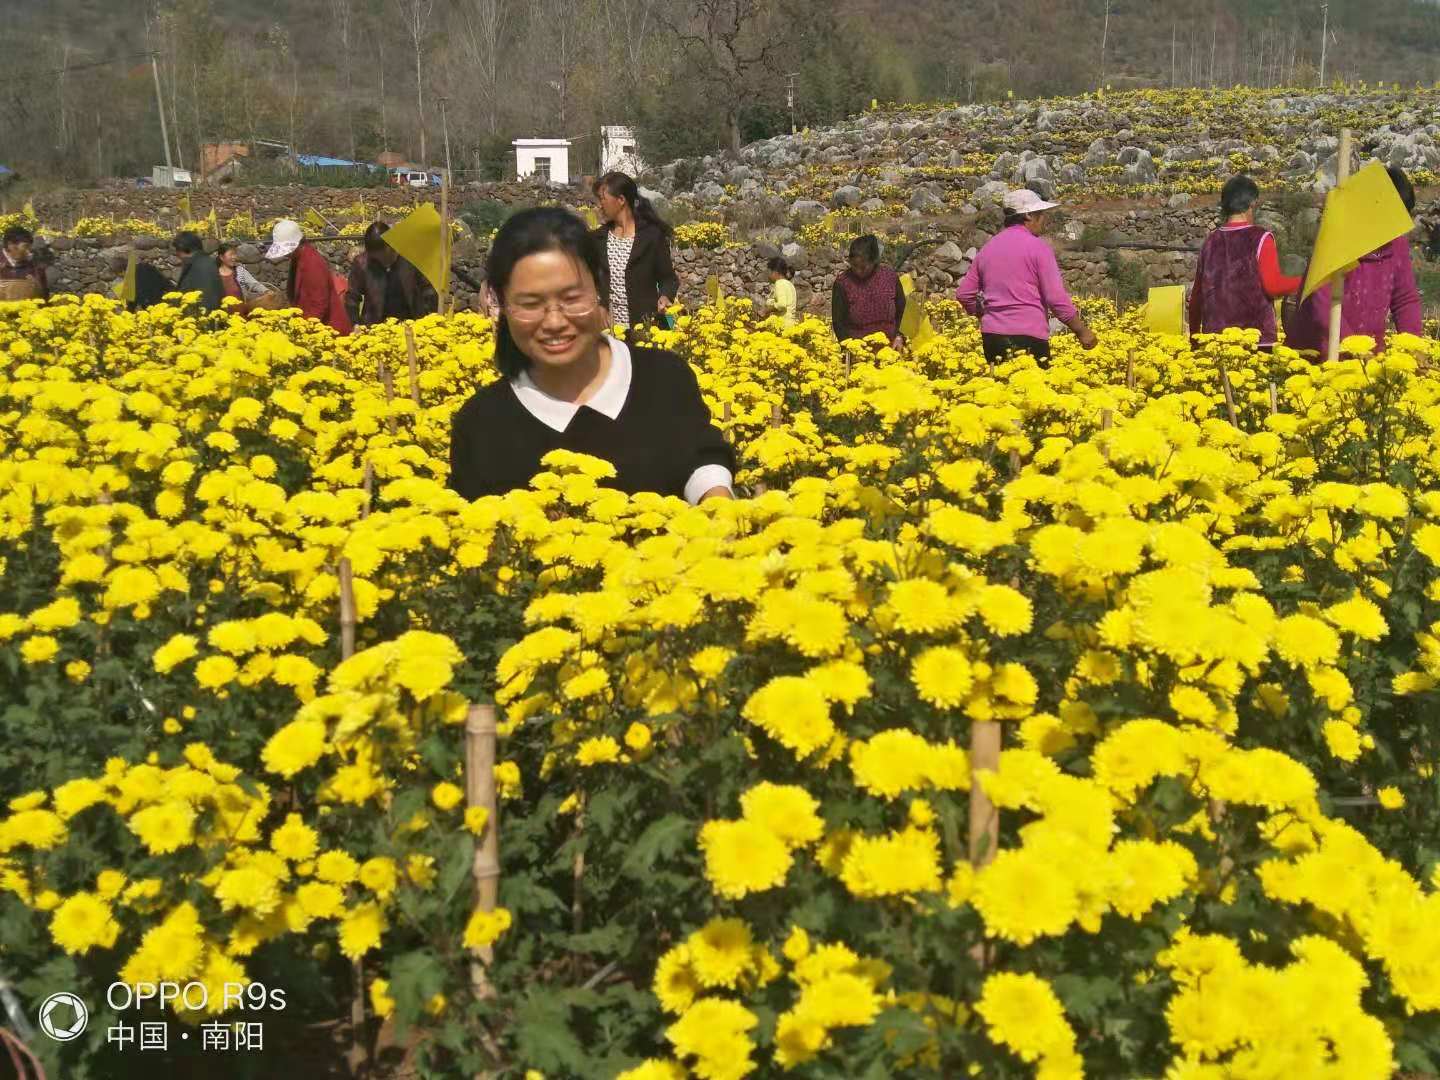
(347, 609)
(1274, 400)
(389, 384)
(1130, 371)
(414, 362)
(1337, 282)
(1107, 419)
(445, 237)
(358, 1056)
(480, 738)
(1229, 397)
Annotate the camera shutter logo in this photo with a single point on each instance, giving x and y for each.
(63, 1017)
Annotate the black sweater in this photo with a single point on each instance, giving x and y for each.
(649, 275)
(662, 434)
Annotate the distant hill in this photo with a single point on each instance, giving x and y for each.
(277, 68)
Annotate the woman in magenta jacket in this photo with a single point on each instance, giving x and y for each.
(1382, 287)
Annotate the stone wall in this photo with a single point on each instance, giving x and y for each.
(62, 207)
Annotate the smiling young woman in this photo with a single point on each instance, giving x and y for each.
(569, 386)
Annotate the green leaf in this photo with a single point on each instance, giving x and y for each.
(543, 1038)
(459, 857)
(662, 839)
(415, 977)
(613, 939)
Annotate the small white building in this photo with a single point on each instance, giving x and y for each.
(618, 150)
(545, 159)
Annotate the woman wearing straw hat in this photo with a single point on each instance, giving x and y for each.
(1014, 285)
(311, 286)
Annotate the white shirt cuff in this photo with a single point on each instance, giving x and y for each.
(705, 478)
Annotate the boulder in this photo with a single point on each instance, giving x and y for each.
(849, 195)
(1050, 119)
(872, 206)
(763, 249)
(948, 253)
(993, 190)
(709, 192)
(1098, 153)
(249, 253)
(795, 255)
(657, 200)
(925, 200)
(807, 210)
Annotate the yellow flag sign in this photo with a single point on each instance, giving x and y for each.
(1164, 310)
(1362, 214)
(714, 291)
(314, 220)
(419, 238)
(914, 323)
(125, 291)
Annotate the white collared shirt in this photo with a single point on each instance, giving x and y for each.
(608, 400)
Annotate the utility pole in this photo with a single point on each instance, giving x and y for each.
(1172, 55)
(1324, 38)
(160, 101)
(790, 97)
(1104, 40)
(445, 126)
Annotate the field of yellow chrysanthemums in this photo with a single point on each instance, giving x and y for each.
(735, 763)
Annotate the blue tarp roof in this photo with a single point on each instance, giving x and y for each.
(330, 162)
(5, 169)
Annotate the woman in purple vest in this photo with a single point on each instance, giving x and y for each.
(1014, 285)
(1380, 288)
(868, 298)
(1238, 278)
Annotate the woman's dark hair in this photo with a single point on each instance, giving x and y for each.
(188, 243)
(1238, 195)
(1403, 187)
(623, 186)
(1012, 218)
(545, 228)
(224, 246)
(780, 266)
(867, 247)
(18, 234)
(375, 236)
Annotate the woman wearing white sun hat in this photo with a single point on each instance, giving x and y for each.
(311, 286)
(1014, 285)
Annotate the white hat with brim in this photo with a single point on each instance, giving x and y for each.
(1025, 201)
(284, 240)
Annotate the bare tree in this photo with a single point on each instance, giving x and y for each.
(481, 30)
(416, 16)
(343, 11)
(732, 46)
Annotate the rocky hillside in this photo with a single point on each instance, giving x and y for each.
(1133, 145)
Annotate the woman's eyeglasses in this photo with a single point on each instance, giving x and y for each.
(534, 311)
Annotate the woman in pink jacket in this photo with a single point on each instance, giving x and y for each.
(1382, 287)
(1014, 285)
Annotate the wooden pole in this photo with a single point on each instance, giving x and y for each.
(1229, 397)
(445, 237)
(1274, 400)
(480, 739)
(414, 362)
(1107, 419)
(984, 817)
(347, 609)
(389, 385)
(1337, 282)
(358, 1056)
(1130, 371)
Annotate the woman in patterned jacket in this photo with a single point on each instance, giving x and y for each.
(639, 278)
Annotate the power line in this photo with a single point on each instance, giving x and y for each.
(75, 67)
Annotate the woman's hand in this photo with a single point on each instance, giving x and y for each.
(665, 303)
(1087, 337)
(897, 342)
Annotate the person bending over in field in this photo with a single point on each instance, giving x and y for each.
(1238, 278)
(569, 386)
(1014, 285)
